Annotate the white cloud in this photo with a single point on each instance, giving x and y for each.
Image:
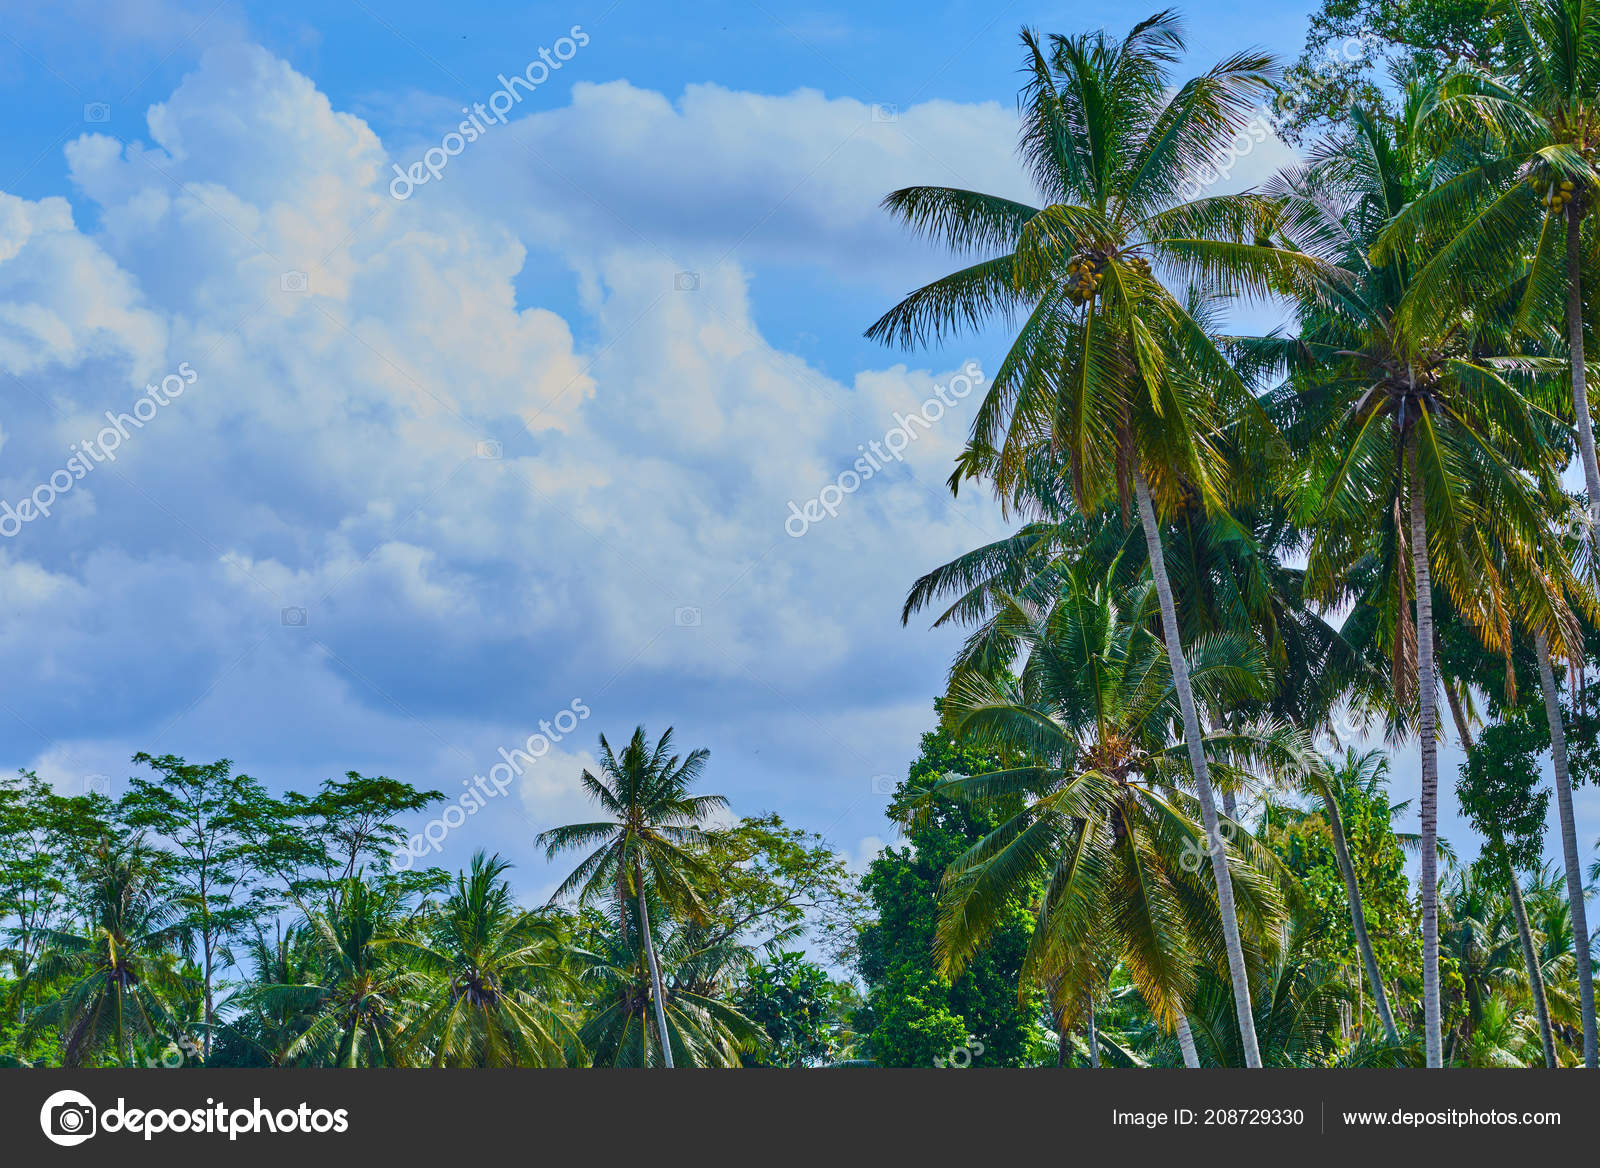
(327, 456)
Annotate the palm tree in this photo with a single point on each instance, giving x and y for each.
(703, 1026)
(357, 1002)
(1105, 820)
(1420, 448)
(259, 1033)
(651, 840)
(1230, 576)
(490, 979)
(1530, 195)
(1111, 373)
(123, 983)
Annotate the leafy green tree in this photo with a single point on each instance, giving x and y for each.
(912, 1013)
(1354, 47)
(800, 1008)
(773, 883)
(206, 815)
(653, 839)
(311, 846)
(1372, 863)
(39, 831)
(1499, 790)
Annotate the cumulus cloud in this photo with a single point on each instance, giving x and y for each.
(479, 515)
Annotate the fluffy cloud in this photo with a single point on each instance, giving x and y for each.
(482, 516)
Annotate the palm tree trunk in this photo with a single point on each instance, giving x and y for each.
(1202, 775)
(657, 994)
(1191, 1057)
(1530, 955)
(1094, 1039)
(1580, 388)
(1569, 846)
(1428, 740)
(1358, 916)
(1061, 1046)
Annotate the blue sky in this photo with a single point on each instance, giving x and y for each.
(524, 438)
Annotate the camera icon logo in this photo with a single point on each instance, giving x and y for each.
(97, 111)
(294, 282)
(97, 784)
(293, 618)
(686, 282)
(68, 1118)
(687, 617)
(490, 449)
(885, 113)
(884, 784)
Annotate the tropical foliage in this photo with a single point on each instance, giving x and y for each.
(1256, 576)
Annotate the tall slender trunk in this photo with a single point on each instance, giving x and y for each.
(211, 1013)
(1061, 1046)
(1427, 735)
(1569, 850)
(1094, 1039)
(1202, 775)
(1530, 955)
(657, 994)
(1358, 916)
(1580, 380)
(1191, 1057)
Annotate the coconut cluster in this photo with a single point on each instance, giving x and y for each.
(1559, 195)
(1084, 277)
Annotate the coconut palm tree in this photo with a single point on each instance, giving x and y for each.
(1111, 372)
(1107, 820)
(1230, 574)
(358, 1000)
(650, 841)
(490, 979)
(259, 1034)
(122, 980)
(703, 1026)
(1424, 451)
(1529, 193)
